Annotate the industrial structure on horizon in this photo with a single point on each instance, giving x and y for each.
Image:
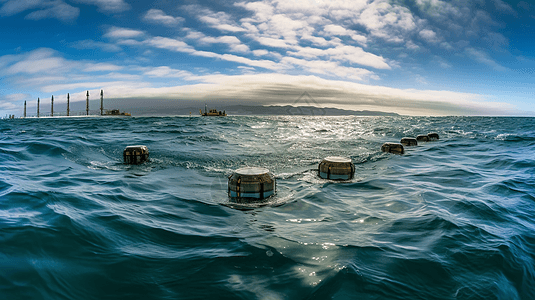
(103, 112)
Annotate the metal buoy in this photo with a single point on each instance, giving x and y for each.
(336, 168)
(423, 138)
(251, 184)
(393, 148)
(407, 141)
(433, 136)
(135, 154)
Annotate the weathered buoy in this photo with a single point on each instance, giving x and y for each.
(251, 184)
(336, 168)
(135, 155)
(407, 141)
(433, 136)
(423, 138)
(393, 148)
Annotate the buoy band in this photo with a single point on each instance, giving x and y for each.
(393, 148)
(336, 168)
(251, 184)
(433, 136)
(135, 154)
(406, 141)
(423, 138)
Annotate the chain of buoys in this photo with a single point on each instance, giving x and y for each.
(396, 148)
(253, 184)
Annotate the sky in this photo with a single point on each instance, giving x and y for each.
(412, 57)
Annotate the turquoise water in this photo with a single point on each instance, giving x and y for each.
(451, 219)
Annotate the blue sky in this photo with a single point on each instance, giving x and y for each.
(414, 57)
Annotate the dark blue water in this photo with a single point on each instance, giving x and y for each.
(451, 219)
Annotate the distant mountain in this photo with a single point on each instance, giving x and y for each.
(301, 111)
(250, 110)
(169, 107)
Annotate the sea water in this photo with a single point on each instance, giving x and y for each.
(450, 219)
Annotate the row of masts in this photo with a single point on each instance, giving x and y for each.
(68, 105)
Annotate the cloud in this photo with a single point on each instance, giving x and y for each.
(341, 31)
(91, 44)
(220, 20)
(167, 72)
(42, 60)
(14, 7)
(169, 44)
(99, 67)
(159, 17)
(108, 6)
(484, 58)
(57, 10)
(344, 53)
(428, 35)
(278, 89)
(119, 33)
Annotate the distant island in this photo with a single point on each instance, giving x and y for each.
(256, 110)
(168, 107)
(300, 111)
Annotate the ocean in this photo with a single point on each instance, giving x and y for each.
(449, 219)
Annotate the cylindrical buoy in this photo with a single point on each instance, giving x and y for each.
(251, 184)
(393, 148)
(135, 155)
(423, 138)
(433, 136)
(407, 141)
(336, 168)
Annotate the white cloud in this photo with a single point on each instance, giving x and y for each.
(278, 89)
(219, 20)
(428, 35)
(341, 31)
(91, 44)
(329, 68)
(169, 44)
(484, 58)
(260, 52)
(13, 7)
(239, 48)
(167, 72)
(58, 10)
(99, 67)
(344, 53)
(39, 61)
(113, 6)
(119, 33)
(159, 17)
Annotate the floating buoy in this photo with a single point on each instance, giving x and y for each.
(393, 148)
(407, 141)
(135, 154)
(423, 138)
(433, 136)
(251, 184)
(336, 168)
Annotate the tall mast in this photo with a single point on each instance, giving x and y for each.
(52, 107)
(68, 103)
(101, 102)
(24, 109)
(87, 104)
(38, 107)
